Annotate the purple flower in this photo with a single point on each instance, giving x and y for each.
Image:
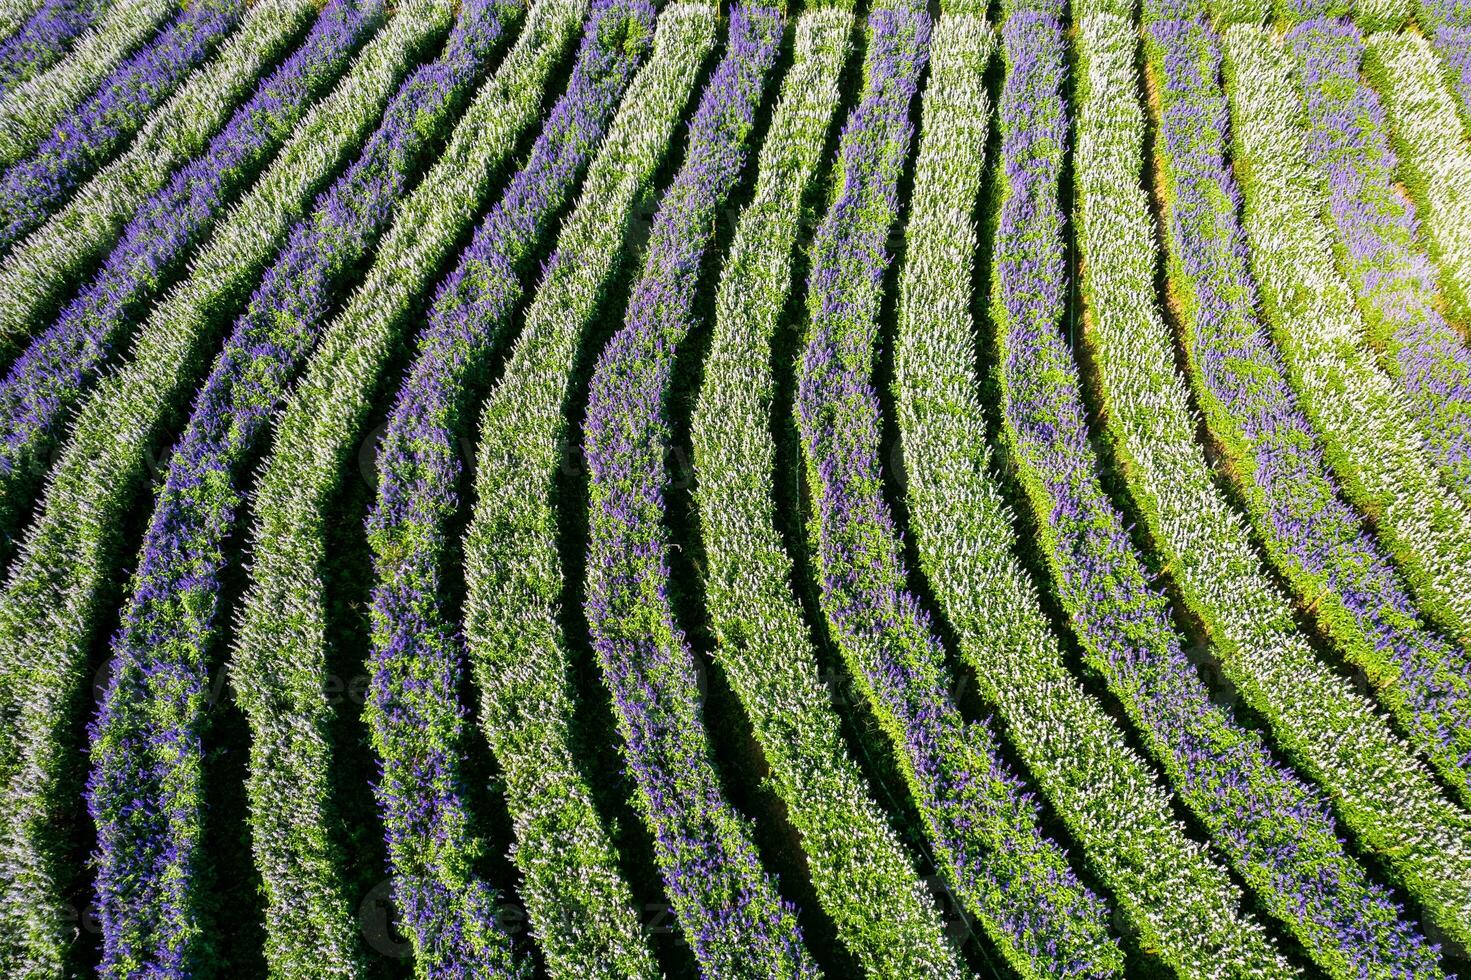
(1389, 269)
(413, 706)
(978, 815)
(1295, 501)
(50, 378)
(727, 905)
(1275, 828)
(144, 790)
(85, 138)
(43, 39)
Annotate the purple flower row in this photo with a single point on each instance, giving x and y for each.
(1394, 278)
(1447, 23)
(413, 705)
(1293, 498)
(981, 821)
(47, 381)
(43, 39)
(727, 905)
(144, 789)
(32, 187)
(1274, 828)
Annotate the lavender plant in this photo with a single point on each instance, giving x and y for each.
(31, 188)
(51, 377)
(279, 661)
(413, 703)
(1322, 725)
(1379, 242)
(1251, 804)
(727, 904)
(1193, 919)
(14, 13)
(174, 600)
(43, 39)
(514, 580)
(1311, 533)
(33, 110)
(982, 823)
(1366, 424)
(1434, 166)
(64, 577)
(763, 644)
(39, 273)
(1447, 25)
(148, 875)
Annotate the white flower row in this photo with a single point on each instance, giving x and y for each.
(577, 901)
(279, 661)
(68, 567)
(38, 268)
(1380, 790)
(1101, 789)
(764, 647)
(1382, 15)
(1370, 434)
(1435, 165)
(30, 110)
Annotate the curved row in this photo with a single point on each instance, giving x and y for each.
(514, 580)
(66, 574)
(1379, 238)
(1369, 435)
(860, 870)
(172, 610)
(727, 904)
(1266, 822)
(31, 188)
(53, 375)
(32, 110)
(37, 273)
(1434, 165)
(983, 825)
(1331, 733)
(1447, 24)
(1191, 918)
(1252, 411)
(280, 656)
(413, 708)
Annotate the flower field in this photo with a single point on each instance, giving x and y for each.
(675, 488)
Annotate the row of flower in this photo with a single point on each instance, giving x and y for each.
(88, 133)
(518, 654)
(281, 657)
(1436, 170)
(45, 36)
(763, 644)
(734, 918)
(42, 388)
(1369, 437)
(413, 706)
(1195, 918)
(982, 824)
(65, 576)
(1324, 727)
(173, 604)
(1376, 222)
(38, 268)
(1311, 533)
(33, 109)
